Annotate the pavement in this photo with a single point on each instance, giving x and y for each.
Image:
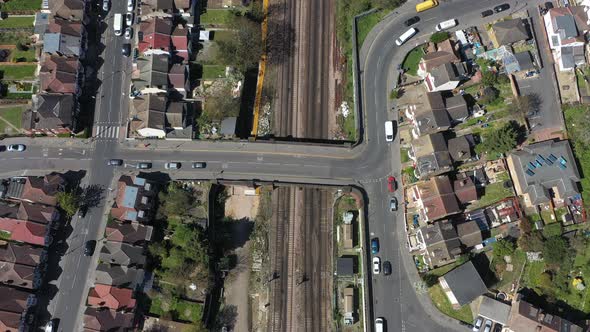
(366, 165)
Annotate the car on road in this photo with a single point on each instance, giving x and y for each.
(128, 32)
(487, 13)
(106, 4)
(199, 164)
(391, 184)
(488, 326)
(477, 323)
(129, 19)
(126, 50)
(89, 248)
(144, 165)
(379, 325)
(501, 8)
(393, 204)
(406, 36)
(389, 135)
(376, 265)
(115, 162)
(129, 5)
(386, 268)
(52, 325)
(17, 147)
(174, 165)
(375, 246)
(411, 21)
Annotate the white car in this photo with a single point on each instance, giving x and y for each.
(129, 5)
(174, 165)
(376, 265)
(129, 19)
(477, 324)
(128, 33)
(16, 147)
(105, 5)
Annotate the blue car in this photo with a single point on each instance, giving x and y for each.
(374, 246)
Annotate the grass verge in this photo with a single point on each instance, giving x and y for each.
(410, 64)
(442, 303)
(18, 72)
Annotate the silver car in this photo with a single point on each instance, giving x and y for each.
(16, 147)
(175, 165)
(129, 19)
(128, 33)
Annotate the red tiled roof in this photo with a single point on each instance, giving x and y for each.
(58, 74)
(24, 231)
(156, 34)
(9, 321)
(111, 297)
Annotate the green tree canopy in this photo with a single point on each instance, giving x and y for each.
(245, 49)
(503, 248)
(555, 250)
(440, 36)
(176, 201)
(68, 202)
(499, 140)
(531, 242)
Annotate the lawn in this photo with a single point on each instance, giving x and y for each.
(18, 72)
(493, 193)
(180, 309)
(553, 229)
(17, 22)
(442, 303)
(441, 271)
(14, 37)
(224, 35)
(21, 5)
(13, 115)
(213, 71)
(575, 115)
(530, 276)
(216, 16)
(410, 64)
(509, 277)
(404, 155)
(23, 56)
(366, 23)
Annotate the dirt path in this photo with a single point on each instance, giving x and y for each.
(236, 289)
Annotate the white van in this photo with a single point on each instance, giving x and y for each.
(379, 325)
(446, 25)
(406, 36)
(118, 24)
(389, 131)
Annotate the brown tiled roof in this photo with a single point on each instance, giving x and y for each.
(438, 197)
(13, 300)
(21, 254)
(17, 275)
(58, 25)
(465, 190)
(469, 233)
(37, 213)
(68, 9)
(107, 320)
(43, 189)
(59, 74)
(128, 232)
(10, 321)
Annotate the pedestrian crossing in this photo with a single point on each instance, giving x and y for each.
(108, 132)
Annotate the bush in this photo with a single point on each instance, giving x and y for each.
(503, 248)
(438, 37)
(490, 96)
(21, 47)
(489, 78)
(394, 94)
(555, 250)
(498, 140)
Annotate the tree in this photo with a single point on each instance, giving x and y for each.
(531, 242)
(489, 95)
(439, 37)
(555, 250)
(499, 141)
(176, 201)
(221, 104)
(524, 106)
(69, 202)
(21, 47)
(394, 94)
(489, 78)
(245, 49)
(545, 280)
(503, 248)
(387, 4)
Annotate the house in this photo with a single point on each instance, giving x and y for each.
(122, 254)
(119, 276)
(430, 119)
(566, 27)
(73, 10)
(462, 285)
(59, 74)
(135, 199)
(156, 8)
(439, 242)
(179, 123)
(152, 74)
(435, 198)
(180, 44)
(346, 266)
(494, 310)
(509, 31)
(154, 36)
(42, 214)
(119, 299)
(524, 317)
(148, 116)
(457, 108)
(21, 254)
(51, 114)
(445, 77)
(64, 37)
(128, 232)
(461, 148)
(445, 53)
(16, 309)
(470, 233)
(178, 80)
(36, 189)
(523, 62)
(24, 231)
(465, 190)
(430, 155)
(544, 171)
(23, 276)
(100, 319)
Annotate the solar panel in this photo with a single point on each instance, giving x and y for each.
(549, 162)
(540, 157)
(552, 157)
(538, 163)
(529, 172)
(562, 166)
(532, 165)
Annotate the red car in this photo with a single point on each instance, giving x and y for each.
(391, 185)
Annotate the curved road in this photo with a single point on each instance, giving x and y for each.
(366, 165)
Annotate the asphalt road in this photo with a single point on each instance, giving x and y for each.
(367, 165)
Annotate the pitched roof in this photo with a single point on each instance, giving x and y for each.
(469, 233)
(59, 74)
(153, 72)
(180, 42)
(524, 317)
(134, 198)
(177, 76)
(460, 148)
(444, 73)
(442, 243)
(58, 43)
(68, 9)
(38, 213)
(14, 300)
(457, 107)
(10, 321)
(128, 232)
(66, 27)
(494, 310)
(119, 276)
(96, 319)
(432, 155)
(42, 190)
(111, 297)
(122, 254)
(445, 53)
(436, 197)
(465, 190)
(465, 283)
(51, 111)
(176, 114)
(18, 275)
(149, 112)
(511, 31)
(23, 231)
(155, 34)
(21, 254)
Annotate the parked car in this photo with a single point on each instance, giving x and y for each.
(393, 204)
(174, 165)
(106, 5)
(199, 164)
(488, 326)
(374, 246)
(52, 325)
(128, 33)
(89, 248)
(376, 265)
(477, 324)
(129, 5)
(17, 147)
(126, 49)
(412, 21)
(501, 8)
(129, 19)
(391, 184)
(548, 5)
(386, 268)
(144, 165)
(115, 162)
(497, 328)
(487, 13)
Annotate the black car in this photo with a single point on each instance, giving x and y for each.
(548, 5)
(487, 13)
(89, 248)
(386, 268)
(412, 21)
(126, 51)
(501, 8)
(497, 328)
